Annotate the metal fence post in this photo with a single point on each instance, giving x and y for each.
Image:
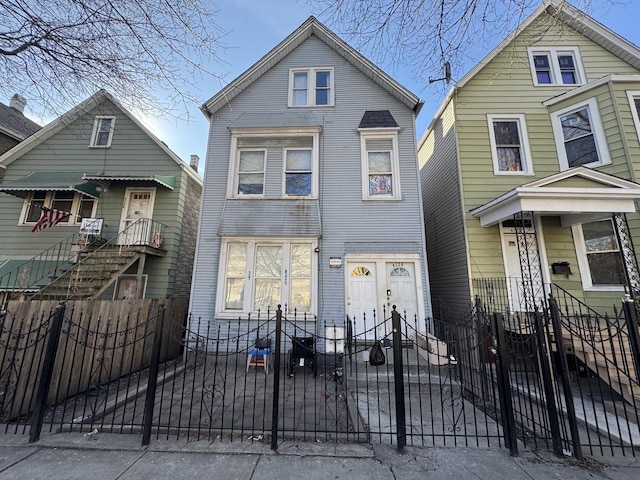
(276, 381)
(504, 387)
(153, 378)
(544, 362)
(46, 373)
(398, 377)
(564, 372)
(634, 337)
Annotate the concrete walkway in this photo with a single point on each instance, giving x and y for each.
(102, 456)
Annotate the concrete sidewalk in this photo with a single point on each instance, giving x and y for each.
(118, 456)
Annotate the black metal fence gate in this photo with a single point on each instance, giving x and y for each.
(563, 378)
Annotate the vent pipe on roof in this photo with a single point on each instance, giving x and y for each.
(18, 102)
(195, 160)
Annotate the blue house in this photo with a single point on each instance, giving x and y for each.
(311, 193)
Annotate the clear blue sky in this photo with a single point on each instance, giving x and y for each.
(255, 27)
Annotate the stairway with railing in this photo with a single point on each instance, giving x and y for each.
(81, 266)
(604, 343)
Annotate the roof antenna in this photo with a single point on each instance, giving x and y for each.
(447, 74)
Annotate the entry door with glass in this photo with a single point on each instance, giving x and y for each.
(137, 211)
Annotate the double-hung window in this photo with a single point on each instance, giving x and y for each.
(262, 274)
(309, 87)
(251, 164)
(580, 138)
(509, 145)
(556, 66)
(274, 163)
(102, 132)
(298, 168)
(634, 104)
(380, 166)
(78, 205)
(599, 255)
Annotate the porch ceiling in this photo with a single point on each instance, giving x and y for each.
(556, 195)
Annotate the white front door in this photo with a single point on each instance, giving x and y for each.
(362, 299)
(373, 287)
(401, 292)
(518, 291)
(138, 205)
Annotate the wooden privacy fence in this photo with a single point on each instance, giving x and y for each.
(97, 343)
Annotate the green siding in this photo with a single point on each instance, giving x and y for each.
(505, 86)
(132, 153)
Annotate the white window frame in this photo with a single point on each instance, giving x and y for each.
(269, 135)
(249, 285)
(311, 86)
(74, 219)
(583, 264)
(632, 95)
(312, 172)
(525, 151)
(94, 134)
(555, 72)
(236, 185)
(596, 126)
(380, 134)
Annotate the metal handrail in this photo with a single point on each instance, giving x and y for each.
(57, 261)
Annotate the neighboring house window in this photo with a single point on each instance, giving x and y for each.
(294, 153)
(251, 165)
(599, 255)
(298, 172)
(554, 66)
(261, 275)
(102, 132)
(310, 87)
(380, 177)
(509, 145)
(80, 206)
(634, 103)
(580, 137)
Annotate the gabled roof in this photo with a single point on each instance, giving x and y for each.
(564, 12)
(75, 113)
(312, 26)
(578, 190)
(14, 124)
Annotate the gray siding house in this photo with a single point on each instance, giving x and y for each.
(311, 194)
(98, 161)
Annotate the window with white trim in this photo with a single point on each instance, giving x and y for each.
(80, 206)
(509, 145)
(311, 87)
(556, 66)
(580, 138)
(298, 171)
(262, 274)
(380, 167)
(598, 255)
(294, 153)
(634, 104)
(251, 165)
(102, 132)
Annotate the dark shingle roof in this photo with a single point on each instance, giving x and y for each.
(378, 119)
(13, 122)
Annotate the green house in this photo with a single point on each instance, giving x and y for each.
(119, 210)
(529, 169)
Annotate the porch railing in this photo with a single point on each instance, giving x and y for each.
(31, 278)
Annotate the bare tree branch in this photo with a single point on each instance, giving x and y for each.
(147, 52)
(423, 34)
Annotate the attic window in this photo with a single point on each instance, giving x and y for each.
(102, 132)
(309, 87)
(554, 66)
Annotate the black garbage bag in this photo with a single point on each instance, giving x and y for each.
(376, 355)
